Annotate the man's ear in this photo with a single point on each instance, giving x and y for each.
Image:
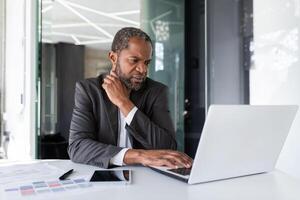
(113, 59)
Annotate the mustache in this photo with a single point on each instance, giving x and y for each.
(139, 76)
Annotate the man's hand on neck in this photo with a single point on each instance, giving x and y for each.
(117, 93)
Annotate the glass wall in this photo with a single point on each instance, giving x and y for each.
(164, 21)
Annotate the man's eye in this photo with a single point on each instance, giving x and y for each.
(133, 60)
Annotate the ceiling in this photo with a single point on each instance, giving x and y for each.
(92, 23)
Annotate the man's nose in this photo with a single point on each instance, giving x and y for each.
(142, 68)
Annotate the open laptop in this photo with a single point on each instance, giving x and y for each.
(237, 140)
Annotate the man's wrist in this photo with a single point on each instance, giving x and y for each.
(134, 156)
(125, 106)
(130, 115)
(118, 158)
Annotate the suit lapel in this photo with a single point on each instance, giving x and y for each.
(111, 114)
(136, 98)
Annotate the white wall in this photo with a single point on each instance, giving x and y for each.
(20, 78)
(275, 74)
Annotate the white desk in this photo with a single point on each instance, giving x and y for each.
(148, 184)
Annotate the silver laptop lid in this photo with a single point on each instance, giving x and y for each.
(239, 140)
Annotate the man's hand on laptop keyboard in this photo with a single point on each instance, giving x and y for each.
(158, 158)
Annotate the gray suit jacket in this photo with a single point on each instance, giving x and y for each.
(94, 125)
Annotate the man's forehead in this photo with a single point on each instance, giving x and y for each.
(138, 47)
(138, 42)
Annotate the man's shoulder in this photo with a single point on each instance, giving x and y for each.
(91, 83)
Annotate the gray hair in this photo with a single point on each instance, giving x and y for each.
(123, 36)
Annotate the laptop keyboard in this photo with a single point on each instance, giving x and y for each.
(181, 171)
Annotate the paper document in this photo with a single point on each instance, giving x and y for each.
(41, 181)
(20, 173)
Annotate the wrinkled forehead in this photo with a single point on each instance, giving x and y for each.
(138, 47)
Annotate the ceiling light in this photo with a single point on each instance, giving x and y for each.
(130, 12)
(96, 41)
(76, 35)
(72, 25)
(63, 3)
(47, 9)
(103, 13)
(77, 42)
(47, 1)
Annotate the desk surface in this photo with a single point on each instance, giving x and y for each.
(147, 184)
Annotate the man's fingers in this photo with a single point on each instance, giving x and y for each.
(112, 78)
(107, 81)
(108, 85)
(187, 158)
(169, 158)
(178, 160)
(169, 163)
(166, 162)
(159, 161)
(182, 161)
(113, 73)
(182, 155)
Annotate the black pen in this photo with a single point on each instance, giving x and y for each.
(65, 175)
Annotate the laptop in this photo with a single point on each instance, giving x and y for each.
(237, 140)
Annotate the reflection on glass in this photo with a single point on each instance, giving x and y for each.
(163, 20)
(110, 175)
(159, 56)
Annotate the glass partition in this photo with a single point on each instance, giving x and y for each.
(164, 21)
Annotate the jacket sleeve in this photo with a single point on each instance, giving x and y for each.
(154, 131)
(83, 146)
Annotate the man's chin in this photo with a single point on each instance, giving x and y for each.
(137, 86)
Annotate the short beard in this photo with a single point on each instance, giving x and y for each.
(126, 81)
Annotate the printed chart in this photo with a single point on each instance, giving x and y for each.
(47, 187)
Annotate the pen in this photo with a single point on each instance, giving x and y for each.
(65, 175)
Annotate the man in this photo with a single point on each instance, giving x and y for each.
(122, 118)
